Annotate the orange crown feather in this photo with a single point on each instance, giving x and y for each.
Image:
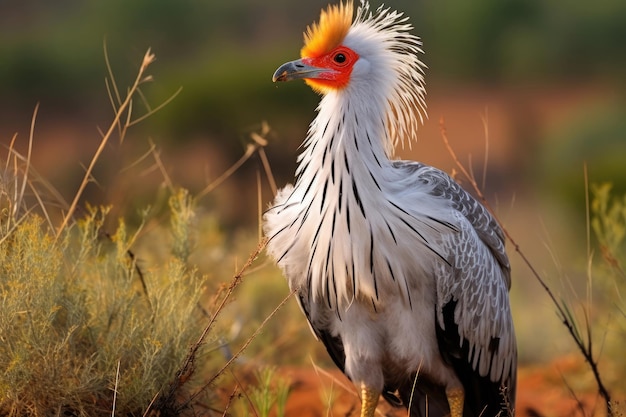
(321, 38)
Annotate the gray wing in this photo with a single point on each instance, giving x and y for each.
(474, 325)
(484, 224)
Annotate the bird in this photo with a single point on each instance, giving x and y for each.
(401, 273)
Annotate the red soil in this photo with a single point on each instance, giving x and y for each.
(550, 390)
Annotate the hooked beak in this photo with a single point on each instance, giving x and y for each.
(298, 69)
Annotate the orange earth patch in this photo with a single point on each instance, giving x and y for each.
(549, 390)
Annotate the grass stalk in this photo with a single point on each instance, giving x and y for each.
(167, 402)
(117, 381)
(124, 106)
(20, 197)
(244, 346)
(257, 145)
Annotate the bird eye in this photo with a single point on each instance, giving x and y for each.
(339, 58)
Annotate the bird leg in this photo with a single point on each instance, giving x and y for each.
(369, 400)
(456, 397)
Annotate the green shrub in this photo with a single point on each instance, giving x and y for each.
(73, 310)
(87, 327)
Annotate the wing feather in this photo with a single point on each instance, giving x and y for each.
(483, 222)
(333, 344)
(474, 325)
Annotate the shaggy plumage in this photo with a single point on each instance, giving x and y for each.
(401, 273)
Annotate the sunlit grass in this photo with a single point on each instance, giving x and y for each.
(102, 316)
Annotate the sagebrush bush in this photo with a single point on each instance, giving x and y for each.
(75, 309)
(95, 321)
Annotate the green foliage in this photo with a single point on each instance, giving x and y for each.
(89, 328)
(609, 225)
(75, 309)
(521, 41)
(182, 215)
(225, 52)
(608, 221)
(594, 136)
(270, 393)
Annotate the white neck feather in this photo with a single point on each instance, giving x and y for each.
(350, 217)
(336, 230)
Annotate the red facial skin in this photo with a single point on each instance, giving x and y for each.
(339, 63)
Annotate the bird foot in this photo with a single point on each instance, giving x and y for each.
(369, 400)
(456, 397)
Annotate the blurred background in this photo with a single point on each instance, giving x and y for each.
(530, 89)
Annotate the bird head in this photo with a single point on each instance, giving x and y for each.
(325, 63)
(374, 51)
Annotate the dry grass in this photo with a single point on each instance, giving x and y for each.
(89, 328)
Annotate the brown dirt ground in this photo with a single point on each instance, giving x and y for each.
(542, 391)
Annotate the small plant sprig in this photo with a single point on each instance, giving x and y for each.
(270, 393)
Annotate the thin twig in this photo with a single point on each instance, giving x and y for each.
(10, 151)
(28, 156)
(147, 60)
(233, 284)
(485, 120)
(157, 159)
(230, 400)
(268, 171)
(117, 380)
(149, 408)
(419, 367)
(118, 97)
(348, 388)
(258, 142)
(140, 159)
(241, 349)
(259, 195)
(167, 400)
(250, 149)
(156, 109)
(579, 403)
(244, 393)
